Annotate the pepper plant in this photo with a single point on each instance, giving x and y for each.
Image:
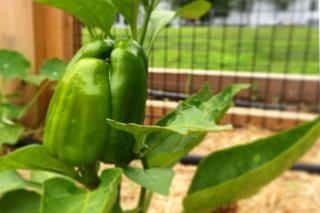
(96, 116)
(15, 66)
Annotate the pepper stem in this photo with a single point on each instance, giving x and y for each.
(89, 176)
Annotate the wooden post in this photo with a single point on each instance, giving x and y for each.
(53, 33)
(40, 33)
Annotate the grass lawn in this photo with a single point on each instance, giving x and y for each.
(264, 49)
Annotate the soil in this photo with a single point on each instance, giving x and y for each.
(292, 192)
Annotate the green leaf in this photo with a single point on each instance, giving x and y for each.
(166, 148)
(9, 111)
(194, 10)
(20, 201)
(188, 119)
(11, 181)
(13, 64)
(155, 179)
(9, 133)
(231, 174)
(61, 195)
(35, 157)
(52, 69)
(93, 13)
(41, 176)
(158, 20)
(130, 10)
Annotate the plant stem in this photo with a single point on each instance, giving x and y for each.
(148, 200)
(89, 176)
(145, 195)
(146, 22)
(33, 100)
(142, 199)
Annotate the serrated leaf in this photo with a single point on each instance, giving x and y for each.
(194, 9)
(51, 69)
(247, 168)
(10, 133)
(35, 157)
(20, 201)
(13, 64)
(166, 148)
(61, 195)
(93, 13)
(154, 179)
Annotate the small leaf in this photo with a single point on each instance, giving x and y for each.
(231, 174)
(62, 195)
(93, 13)
(9, 133)
(130, 10)
(161, 18)
(11, 181)
(158, 20)
(13, 64)
(9, 110)
(194, 10)
(165, 148)
(35, 157)
(20, 201)
(52, 69)
(155, 179)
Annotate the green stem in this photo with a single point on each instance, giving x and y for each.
(33, 100)
(89, 176)
(148, 201)
(144, 199)
(146, 22)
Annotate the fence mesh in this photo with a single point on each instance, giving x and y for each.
(273, 45)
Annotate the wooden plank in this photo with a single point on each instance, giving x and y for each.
(40, 33)
(16, 33)
(270, 88)
(53, 31)
(271, 119)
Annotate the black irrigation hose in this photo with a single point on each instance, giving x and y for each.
(310, 168)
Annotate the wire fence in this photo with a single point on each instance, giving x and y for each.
(273, 47)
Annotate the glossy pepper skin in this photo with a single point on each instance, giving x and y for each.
(105, 79)
(75, 129)
(128, 83)
(97, 49)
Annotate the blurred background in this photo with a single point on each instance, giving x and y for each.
(271, 44)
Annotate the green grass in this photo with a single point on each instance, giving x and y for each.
(263, 49)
